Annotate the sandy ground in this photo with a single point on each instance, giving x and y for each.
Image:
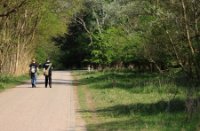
(41, 109)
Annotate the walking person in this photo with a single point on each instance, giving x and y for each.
(33, 72)
(47, 68)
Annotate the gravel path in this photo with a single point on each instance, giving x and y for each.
(41, 109)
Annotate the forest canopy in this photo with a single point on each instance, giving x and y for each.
(140, 34)
(26, 30)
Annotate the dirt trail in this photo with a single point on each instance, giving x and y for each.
(41, 109)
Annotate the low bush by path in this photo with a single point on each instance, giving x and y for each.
(8, 81)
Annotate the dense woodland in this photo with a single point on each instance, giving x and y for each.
(26, 28)
(148, 35)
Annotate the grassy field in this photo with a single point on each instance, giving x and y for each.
(7, 81)
(131, 101)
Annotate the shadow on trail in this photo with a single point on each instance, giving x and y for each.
(122, 125)
(41, 83)
(119, 79)
(56, 81)
(138, 116)
(173, 106)
(135, 124)
(134, 80)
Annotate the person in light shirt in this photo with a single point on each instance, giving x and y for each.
(33, 72)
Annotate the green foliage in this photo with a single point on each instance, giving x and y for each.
(115, 45)
(126, 100)
(7, 81)
(55, 14)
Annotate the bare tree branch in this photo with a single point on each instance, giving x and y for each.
(13, 10)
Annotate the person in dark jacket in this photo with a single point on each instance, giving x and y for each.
(47, 69)
(33, 72)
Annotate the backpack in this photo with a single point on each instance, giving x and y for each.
(46, 72)
(33, 69)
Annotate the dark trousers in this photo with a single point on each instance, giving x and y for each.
(48, 80)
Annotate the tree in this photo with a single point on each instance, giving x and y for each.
(27, 27)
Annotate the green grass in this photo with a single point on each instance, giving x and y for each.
(131, 101)
(8, 81)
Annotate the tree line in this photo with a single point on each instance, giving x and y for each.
(142, 34)
(26, 28)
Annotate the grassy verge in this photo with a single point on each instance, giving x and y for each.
(130, 101)
(7, 81)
